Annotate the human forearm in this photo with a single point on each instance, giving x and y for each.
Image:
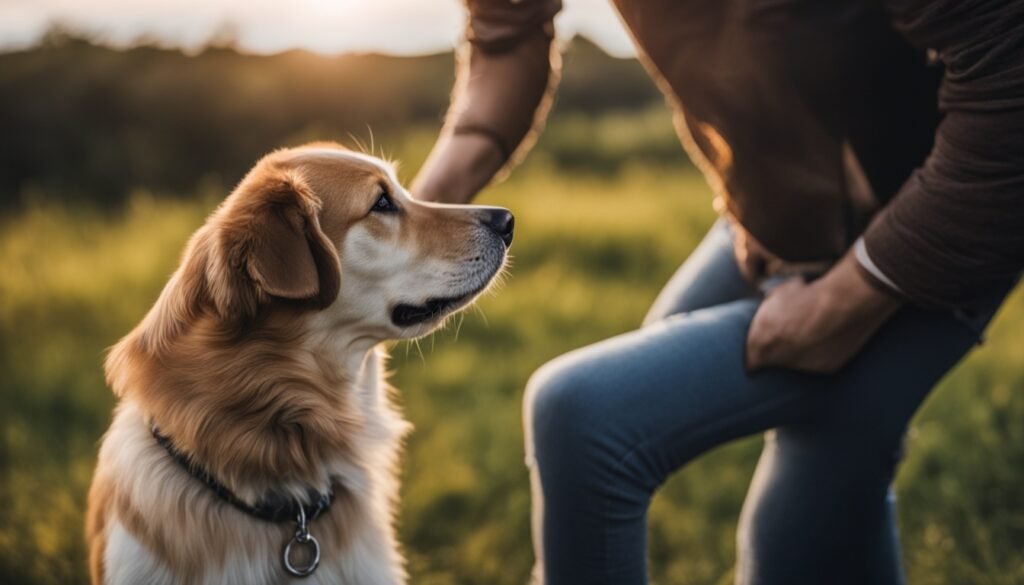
(458, 168)
(501, 98)
(957, 228)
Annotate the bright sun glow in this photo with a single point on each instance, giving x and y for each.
(325, 26)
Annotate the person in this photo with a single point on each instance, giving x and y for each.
(890, 190)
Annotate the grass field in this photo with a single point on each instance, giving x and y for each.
(590, 255)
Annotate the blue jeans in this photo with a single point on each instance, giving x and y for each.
(607, 424)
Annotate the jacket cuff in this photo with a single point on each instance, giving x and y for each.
(872, 272)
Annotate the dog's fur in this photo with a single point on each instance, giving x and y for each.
(260, 361)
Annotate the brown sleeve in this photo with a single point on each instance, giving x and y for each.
(504, 88)
(956, 228)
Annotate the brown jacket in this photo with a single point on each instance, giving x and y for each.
(783, 103)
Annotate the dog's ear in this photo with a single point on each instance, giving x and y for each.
(287, 255)
(265, 241)
(271, 245)
(291, 258)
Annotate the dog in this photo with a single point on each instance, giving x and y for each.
(255, 440)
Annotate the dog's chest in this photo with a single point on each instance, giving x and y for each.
(202, 541)
(129, 562)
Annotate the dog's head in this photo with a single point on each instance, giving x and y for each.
(316, 257)
(329, 235)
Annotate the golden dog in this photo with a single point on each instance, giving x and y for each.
(255, 441)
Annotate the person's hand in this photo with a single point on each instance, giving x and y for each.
(818, 326)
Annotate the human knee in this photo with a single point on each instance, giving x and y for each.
(555, 406)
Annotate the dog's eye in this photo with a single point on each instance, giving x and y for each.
(384, 204)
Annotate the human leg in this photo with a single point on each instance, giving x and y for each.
(607, 424)
(709, 277)
(820, 507)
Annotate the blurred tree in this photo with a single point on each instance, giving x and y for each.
(81, 121)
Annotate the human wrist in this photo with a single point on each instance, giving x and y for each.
(849, 289)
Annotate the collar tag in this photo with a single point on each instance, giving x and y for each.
(305, 540)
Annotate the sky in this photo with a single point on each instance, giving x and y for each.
(403, 27)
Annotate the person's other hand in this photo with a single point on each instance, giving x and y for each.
(818, 326)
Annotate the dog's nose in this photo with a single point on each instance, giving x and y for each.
(502, 222)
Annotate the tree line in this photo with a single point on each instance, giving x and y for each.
(81, 121)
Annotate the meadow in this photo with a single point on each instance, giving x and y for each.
(590, 254)
(149, 140)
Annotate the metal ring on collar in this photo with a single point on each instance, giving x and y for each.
(304, 538)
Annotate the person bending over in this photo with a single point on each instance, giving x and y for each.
(894, 190)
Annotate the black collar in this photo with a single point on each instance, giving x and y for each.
(272, 508)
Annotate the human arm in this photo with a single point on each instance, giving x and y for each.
(954, 231)
(502, 95)
(956, 228)
(818, 326)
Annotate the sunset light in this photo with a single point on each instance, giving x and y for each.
(402, 27)
(559, 292)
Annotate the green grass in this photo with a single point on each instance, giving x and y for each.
(590, 255)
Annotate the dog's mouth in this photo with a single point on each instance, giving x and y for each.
(405, 315)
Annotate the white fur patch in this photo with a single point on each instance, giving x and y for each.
(127, 562)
